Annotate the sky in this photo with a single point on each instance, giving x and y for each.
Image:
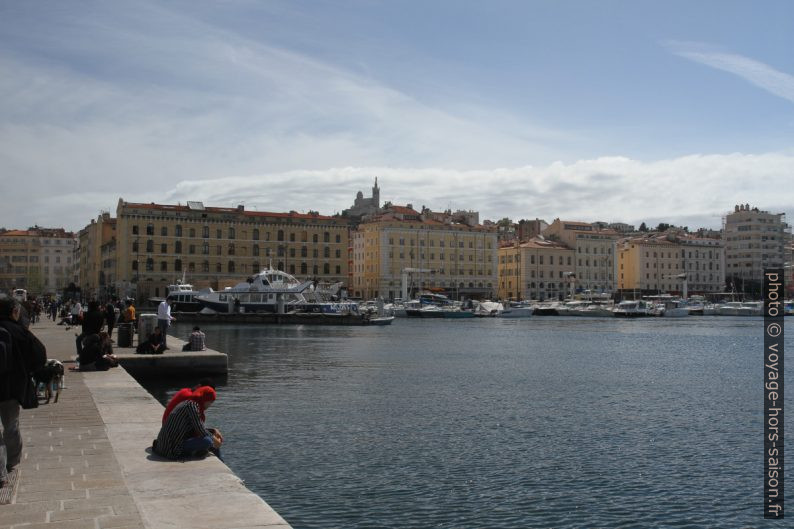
(618, 111)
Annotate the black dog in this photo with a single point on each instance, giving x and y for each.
(51, 378)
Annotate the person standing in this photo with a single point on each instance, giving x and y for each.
(77, 313)
(110, 318)
(129, 312)
(164, 318)
(25, 354)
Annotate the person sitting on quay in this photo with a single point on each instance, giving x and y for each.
(185, 394)
(154, 345)
(93, 321)
(183, 433)
(97, 354)
(195, 341)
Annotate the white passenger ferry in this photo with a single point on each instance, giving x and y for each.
(273, 291)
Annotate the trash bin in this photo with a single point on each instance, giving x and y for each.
(124, 335)
(146, 325)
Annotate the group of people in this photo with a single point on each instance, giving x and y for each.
(183, 433)
(21, 355)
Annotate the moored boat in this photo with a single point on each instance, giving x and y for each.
(632, 309)
(273, 291)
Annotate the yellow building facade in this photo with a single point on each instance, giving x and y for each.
(537, 269)
(451, 258)
(659, 264)
(218, 247)
(92, 277)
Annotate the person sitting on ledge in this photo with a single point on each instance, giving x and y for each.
(155, 345)
(97, 354)
(186, 394)
(195, 341)
(183, 434)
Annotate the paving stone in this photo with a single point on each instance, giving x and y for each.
(62, 524)
(79, 514)
(119, 522)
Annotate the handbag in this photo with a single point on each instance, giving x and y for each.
(30, 397)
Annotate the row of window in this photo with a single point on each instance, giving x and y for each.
(281, 251)
(231, 267)
(441, 243)
(232, 234)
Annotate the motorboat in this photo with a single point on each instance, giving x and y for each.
(546, 309)
(632, 309)
(741, 308)
(517, 309)
(673, 309)
(594, 310)
(488, 309)
(273, 291)
(183, 296)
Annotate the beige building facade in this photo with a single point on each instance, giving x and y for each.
(218, 247)
(454, 258)
(537, 269)
(39, 260)
(595, 264)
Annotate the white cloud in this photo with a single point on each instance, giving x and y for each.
(692, 190)
(761, 75)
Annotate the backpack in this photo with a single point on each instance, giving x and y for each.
(6, 354)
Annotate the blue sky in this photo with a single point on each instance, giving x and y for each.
(614, 110)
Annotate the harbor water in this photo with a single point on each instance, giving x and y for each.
(491, 423)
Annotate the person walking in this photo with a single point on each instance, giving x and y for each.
(110, 318)
(164, 318)
(22, 354)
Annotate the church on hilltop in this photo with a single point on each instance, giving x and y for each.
(365, 206)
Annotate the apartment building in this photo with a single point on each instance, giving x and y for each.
(432, 252)
(40, 260)
(595, 253)
(754, 240)
(650, 265)
(93, 278)
(537, 269)
(703, 260)
(218, 247)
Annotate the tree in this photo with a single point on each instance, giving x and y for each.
(643, 227)
(505, 222)
(663, 226)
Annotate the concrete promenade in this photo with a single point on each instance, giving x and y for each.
(87, 464)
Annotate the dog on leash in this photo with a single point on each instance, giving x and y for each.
(50, 377)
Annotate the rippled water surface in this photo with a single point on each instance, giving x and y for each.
(490, 423)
